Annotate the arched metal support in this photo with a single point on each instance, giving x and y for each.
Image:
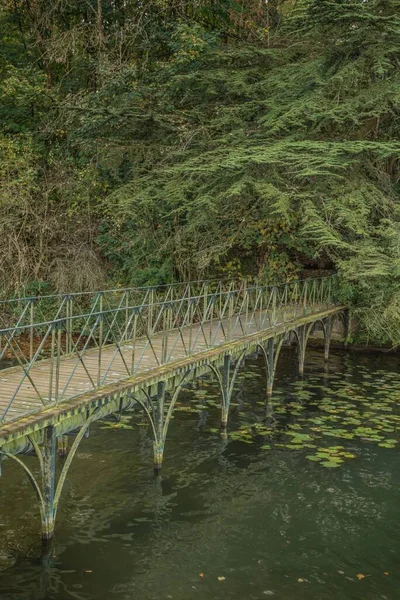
(302, 334)
(47, 489)
(226, 381)
(327, 326)
(271, 351)
(159, 416)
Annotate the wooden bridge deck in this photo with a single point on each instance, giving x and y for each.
(115, 366)
(27, 399)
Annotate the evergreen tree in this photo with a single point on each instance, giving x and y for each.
(215, 137)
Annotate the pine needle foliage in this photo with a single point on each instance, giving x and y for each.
(217, 137)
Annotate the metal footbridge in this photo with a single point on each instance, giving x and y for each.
(71, 359)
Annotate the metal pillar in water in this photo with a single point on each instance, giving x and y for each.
(226, 382)
(271, 365)
(271, 350)
(226, 395)
(159, 413)
(328, 326)
(47, 488)
(302, 334)
(159, 441)
(48, 482)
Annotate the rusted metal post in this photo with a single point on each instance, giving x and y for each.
(302, 336)
(68, 328)
(101, 338)
(212, 300)
(270, 358)
(49, 475)
(52, 361)
(31, 338)
(191, 317)
(150, 313)
(328, 326)
(125, 328)
(133, 340)
(164, 340)
(225, 391)
(58, 360)
(274, 315)
(158, 444)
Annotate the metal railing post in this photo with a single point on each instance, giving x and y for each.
(58, 357)
(305, 297)
(52, 355)
(164, 340)
(274, 315)
(150, 313)
(134, 331)
(31, 315)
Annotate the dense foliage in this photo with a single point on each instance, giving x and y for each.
(149, 140)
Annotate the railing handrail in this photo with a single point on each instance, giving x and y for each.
(63, 295)
(201, 317)
(64, 319)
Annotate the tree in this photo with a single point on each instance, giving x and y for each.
(219, 137)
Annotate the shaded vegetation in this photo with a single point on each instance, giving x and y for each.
(171, 139)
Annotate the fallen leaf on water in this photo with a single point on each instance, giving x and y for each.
(385, 573)
(220, 578)
(201, 574)
(360, 576)
(300, 580)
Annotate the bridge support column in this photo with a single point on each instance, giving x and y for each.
(159, 440)
(302, 334)
(226, 382)
(225, 392)
(47, 489)
(159, 414)
(328, 326)
(271, 350)
(270, 363)
(48, 481)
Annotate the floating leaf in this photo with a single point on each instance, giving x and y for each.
(329, 464)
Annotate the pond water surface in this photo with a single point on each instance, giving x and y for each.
(301, 501)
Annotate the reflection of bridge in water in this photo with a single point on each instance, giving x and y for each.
(104, 352)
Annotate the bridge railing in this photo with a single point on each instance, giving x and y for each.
(33, 311)
(77, 353)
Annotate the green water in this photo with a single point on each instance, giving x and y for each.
(267, 522)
